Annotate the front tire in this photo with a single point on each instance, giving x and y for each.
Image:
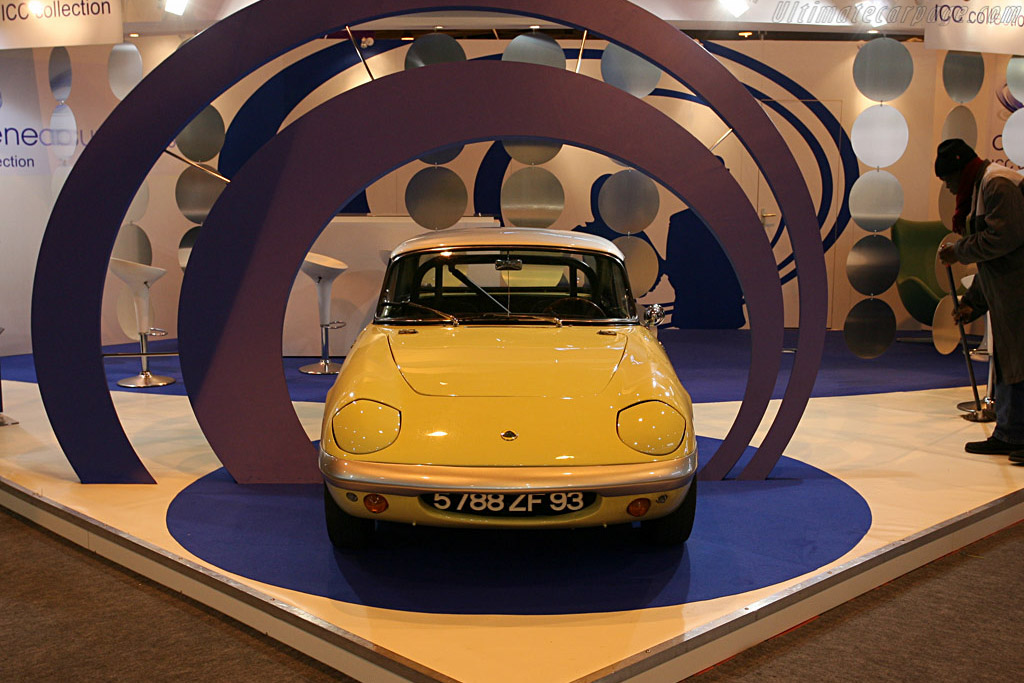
(345, 531)
(675, 527)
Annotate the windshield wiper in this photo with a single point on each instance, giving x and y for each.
(447, 316)
(491, 315)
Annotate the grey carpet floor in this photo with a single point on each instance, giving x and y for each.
(66, 614)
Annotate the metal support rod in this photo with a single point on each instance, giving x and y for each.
(204, 169)
(144, 345)
(963, 339)
(325, 354)
(720, 140)
(583, 44)
(359, 53)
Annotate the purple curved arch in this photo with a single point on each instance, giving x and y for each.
(278, 203)
(108, 172)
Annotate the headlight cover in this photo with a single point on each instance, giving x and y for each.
(651, 427)
(365, 426)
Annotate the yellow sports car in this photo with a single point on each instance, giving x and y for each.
(508, 381)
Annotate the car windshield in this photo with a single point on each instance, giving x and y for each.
(528, 286)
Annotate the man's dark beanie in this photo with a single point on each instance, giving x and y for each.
(952, 156)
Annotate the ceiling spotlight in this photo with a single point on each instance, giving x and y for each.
(406, 36)
(735, 7)
(873, 31)
(438, 28)
(175, 6)
(746, 34)
(535, 27)
(133, 35)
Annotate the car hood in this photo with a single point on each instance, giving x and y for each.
(524, 361)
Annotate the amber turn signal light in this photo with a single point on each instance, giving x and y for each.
(639, 507)
(377, 503)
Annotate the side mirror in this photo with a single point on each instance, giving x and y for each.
(653, 316)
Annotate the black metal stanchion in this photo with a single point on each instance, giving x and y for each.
(976, 415)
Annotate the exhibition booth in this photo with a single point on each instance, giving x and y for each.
(200, 212)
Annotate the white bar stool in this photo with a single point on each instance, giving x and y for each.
(4, 420)
(323, 270)
(139, 278)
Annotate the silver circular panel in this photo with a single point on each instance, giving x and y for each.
(945, 331)
(960, 270)
(442, 156)
(139, 204)
(535, 48)
(433, 48)
(870, 328)
(188, 240)
(628, 71)
(962, 74)
(642, 265)
(132, 244)
(196, 192)
(531, 151)
(124, 69)
(947, 207)
(872, 265)
(883, 69)
(203, 137)
(960, 123)
(532, 197)
(880, 136)
(436, 197)
(64, 129)
(1015, 77)
(60, 73)
(628, 201)
(876, 200)
(1013, 137)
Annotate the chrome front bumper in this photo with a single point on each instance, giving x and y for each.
(413, 480)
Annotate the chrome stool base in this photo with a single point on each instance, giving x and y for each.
(7, 421)
(321, 367)
(971, 413)
(325, 366)
(144, 380)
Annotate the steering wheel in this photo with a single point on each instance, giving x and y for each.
(574, 306)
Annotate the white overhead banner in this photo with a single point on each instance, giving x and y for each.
(977, 26)
(50, 23)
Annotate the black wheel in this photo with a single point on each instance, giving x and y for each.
(675, 527)
(345, 531)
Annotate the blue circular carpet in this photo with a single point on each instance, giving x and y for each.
(748, 535)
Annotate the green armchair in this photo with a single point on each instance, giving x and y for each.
(918, 242)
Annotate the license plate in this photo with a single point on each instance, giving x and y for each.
(511, 504)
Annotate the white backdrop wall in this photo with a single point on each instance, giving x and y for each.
(823, 69)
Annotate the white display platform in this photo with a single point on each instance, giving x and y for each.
(903, 452)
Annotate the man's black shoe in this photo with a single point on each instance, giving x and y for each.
(1017, 456)
(991, 446)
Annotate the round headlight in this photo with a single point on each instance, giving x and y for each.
(651, 427)
(365, 426)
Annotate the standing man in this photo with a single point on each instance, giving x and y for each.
(990, 217)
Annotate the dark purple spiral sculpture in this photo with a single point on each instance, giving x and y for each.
(242, 268)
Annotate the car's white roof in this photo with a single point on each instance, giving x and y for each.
(508, 237)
